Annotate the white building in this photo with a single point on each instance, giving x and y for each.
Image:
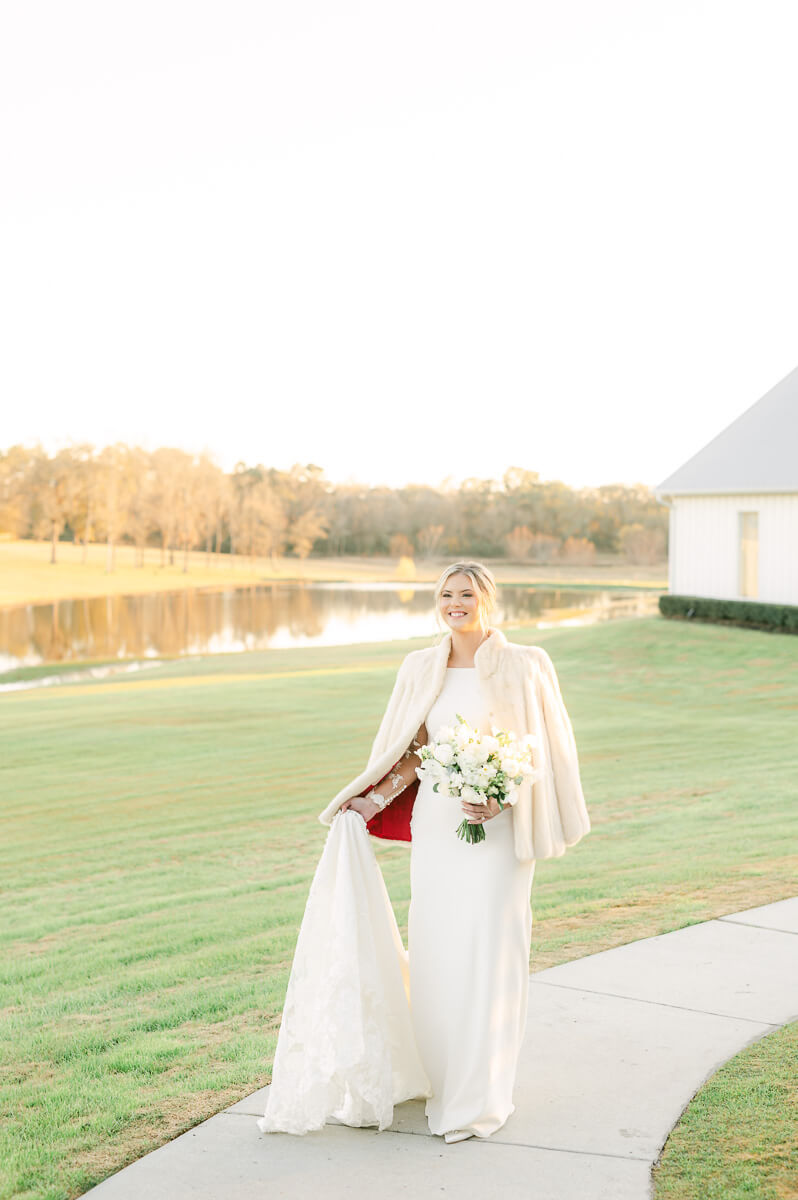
(734, 507)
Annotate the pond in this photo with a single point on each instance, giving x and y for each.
(201, 621)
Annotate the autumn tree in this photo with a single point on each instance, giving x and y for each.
(519, 542)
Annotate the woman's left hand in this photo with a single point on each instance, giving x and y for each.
(477, 814)
(367, 808)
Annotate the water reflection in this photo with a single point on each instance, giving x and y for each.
(272, 615)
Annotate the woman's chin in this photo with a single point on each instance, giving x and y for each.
(463, 627)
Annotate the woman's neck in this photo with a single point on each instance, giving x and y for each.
(465, 644)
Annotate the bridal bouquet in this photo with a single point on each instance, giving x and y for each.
(475, 766)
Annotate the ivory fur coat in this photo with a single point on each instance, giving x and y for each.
(522, 693)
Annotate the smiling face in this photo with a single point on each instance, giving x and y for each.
(459, 603)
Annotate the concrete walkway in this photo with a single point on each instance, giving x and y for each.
(616, 1045)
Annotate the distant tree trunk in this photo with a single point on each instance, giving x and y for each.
(87, 534)
(53, 541)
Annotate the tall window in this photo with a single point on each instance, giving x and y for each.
(749, 553)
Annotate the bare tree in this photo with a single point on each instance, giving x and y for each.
(212, 503)
(429, 539)
(169, 465)
(141, 518)
(54, 483)
(116, 475)
(82, 494)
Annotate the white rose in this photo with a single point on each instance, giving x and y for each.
(444, 753)
(471, 796)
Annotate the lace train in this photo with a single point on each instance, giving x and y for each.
(346, 1046)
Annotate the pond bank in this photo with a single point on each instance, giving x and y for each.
(28, 577)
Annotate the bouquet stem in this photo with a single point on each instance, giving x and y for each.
(471, 831)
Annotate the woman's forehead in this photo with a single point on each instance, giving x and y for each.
(458, 581)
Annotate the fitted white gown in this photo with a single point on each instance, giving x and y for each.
(469, 935)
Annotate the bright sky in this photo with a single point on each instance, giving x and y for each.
(405, 241)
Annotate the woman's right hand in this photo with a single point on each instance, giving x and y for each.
(367, 808)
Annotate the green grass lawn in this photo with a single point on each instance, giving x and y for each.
(159, 833)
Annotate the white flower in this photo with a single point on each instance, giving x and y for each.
(462, 736)
(472, 796)
(480, 752)
(465, 755)
(456, 782)
(443, 753)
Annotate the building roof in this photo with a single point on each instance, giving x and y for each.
(758, 452)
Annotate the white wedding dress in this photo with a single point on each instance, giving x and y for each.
(345, 1047)
(469, 936)
(366, 1024)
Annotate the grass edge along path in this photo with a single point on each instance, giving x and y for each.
(160, 841)
(736, 1139)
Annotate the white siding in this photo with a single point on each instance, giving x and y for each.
(704, 546)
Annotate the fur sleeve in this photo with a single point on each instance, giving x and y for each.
(564, 758)
(396, 701)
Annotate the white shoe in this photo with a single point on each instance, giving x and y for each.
(457, 1135)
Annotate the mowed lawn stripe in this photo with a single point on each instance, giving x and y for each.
(143, 685)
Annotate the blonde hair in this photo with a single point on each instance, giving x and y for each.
(482, 582)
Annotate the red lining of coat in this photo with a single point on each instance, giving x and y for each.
(393, 821)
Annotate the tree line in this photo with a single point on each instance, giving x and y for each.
(180, 502)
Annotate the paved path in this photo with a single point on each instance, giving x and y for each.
(616, 1045)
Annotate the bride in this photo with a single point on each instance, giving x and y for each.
(465, 975)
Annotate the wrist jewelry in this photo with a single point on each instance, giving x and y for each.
(397, 781)
(397, 785)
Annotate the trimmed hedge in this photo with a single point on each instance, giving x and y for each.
(779, 618)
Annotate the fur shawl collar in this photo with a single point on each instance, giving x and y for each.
(522, 693)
